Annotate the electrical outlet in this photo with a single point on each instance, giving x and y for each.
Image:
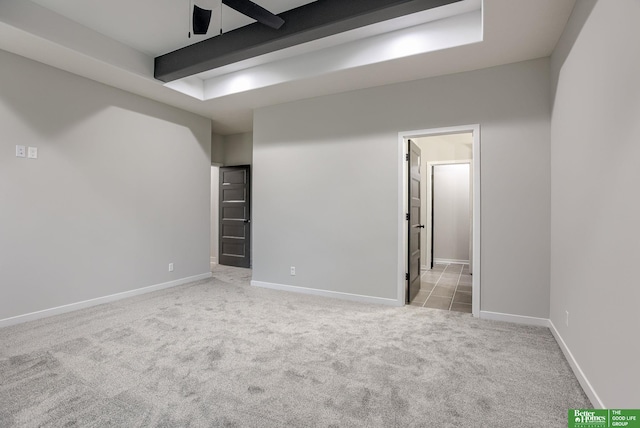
(32, 153)
(21, 151)
(170, 267)
(293, 270)
(567, 319)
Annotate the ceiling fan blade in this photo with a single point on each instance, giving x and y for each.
(201, 19)
(252, 10)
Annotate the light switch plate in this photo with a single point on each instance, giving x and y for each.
(32, 153)
(20, 151)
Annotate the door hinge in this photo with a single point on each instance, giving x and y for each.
(406, 276)
(407, 216)
(407, 157)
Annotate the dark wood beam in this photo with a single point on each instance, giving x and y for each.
(306, 23)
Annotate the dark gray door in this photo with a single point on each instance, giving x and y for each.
(414, 221)
(235, 216)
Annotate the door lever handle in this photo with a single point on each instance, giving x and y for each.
(420, 226)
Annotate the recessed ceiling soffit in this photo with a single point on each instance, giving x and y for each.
(312, 21)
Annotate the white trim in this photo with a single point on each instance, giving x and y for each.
(402, 223)
(328, 293)
(402, 204)
(450, 262)
(475, 253)
(577, 371)
(213, 262)
(98, 301)
(544, 322)
(517, 319)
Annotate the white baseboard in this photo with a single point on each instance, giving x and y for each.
(496, 316)
(518, 319)
(544, 322)
(327, 293)
(582, 378)
(450, 262)
(213, 262)
(98, 301)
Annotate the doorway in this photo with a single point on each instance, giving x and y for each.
(235, 216)
(463, 262)
(448, 235)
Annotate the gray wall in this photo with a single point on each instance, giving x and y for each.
(217, 149)
(579, 14)
(238, 149)
(119, 191)
(595, 210)
(234, 149)
(326, 183)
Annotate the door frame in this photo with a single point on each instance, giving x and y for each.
(215, 214)
(403, 195)
(429, 206)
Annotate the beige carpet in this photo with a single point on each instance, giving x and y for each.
(219, 353)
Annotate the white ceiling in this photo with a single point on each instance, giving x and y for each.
(114, 42)
(156, 27)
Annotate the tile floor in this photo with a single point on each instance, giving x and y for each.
(445, 287)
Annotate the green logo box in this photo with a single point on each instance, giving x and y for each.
(604, 418)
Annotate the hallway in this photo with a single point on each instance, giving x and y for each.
(447, 287)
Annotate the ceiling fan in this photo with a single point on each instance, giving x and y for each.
(202, 17)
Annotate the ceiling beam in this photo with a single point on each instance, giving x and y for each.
(306, 23)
